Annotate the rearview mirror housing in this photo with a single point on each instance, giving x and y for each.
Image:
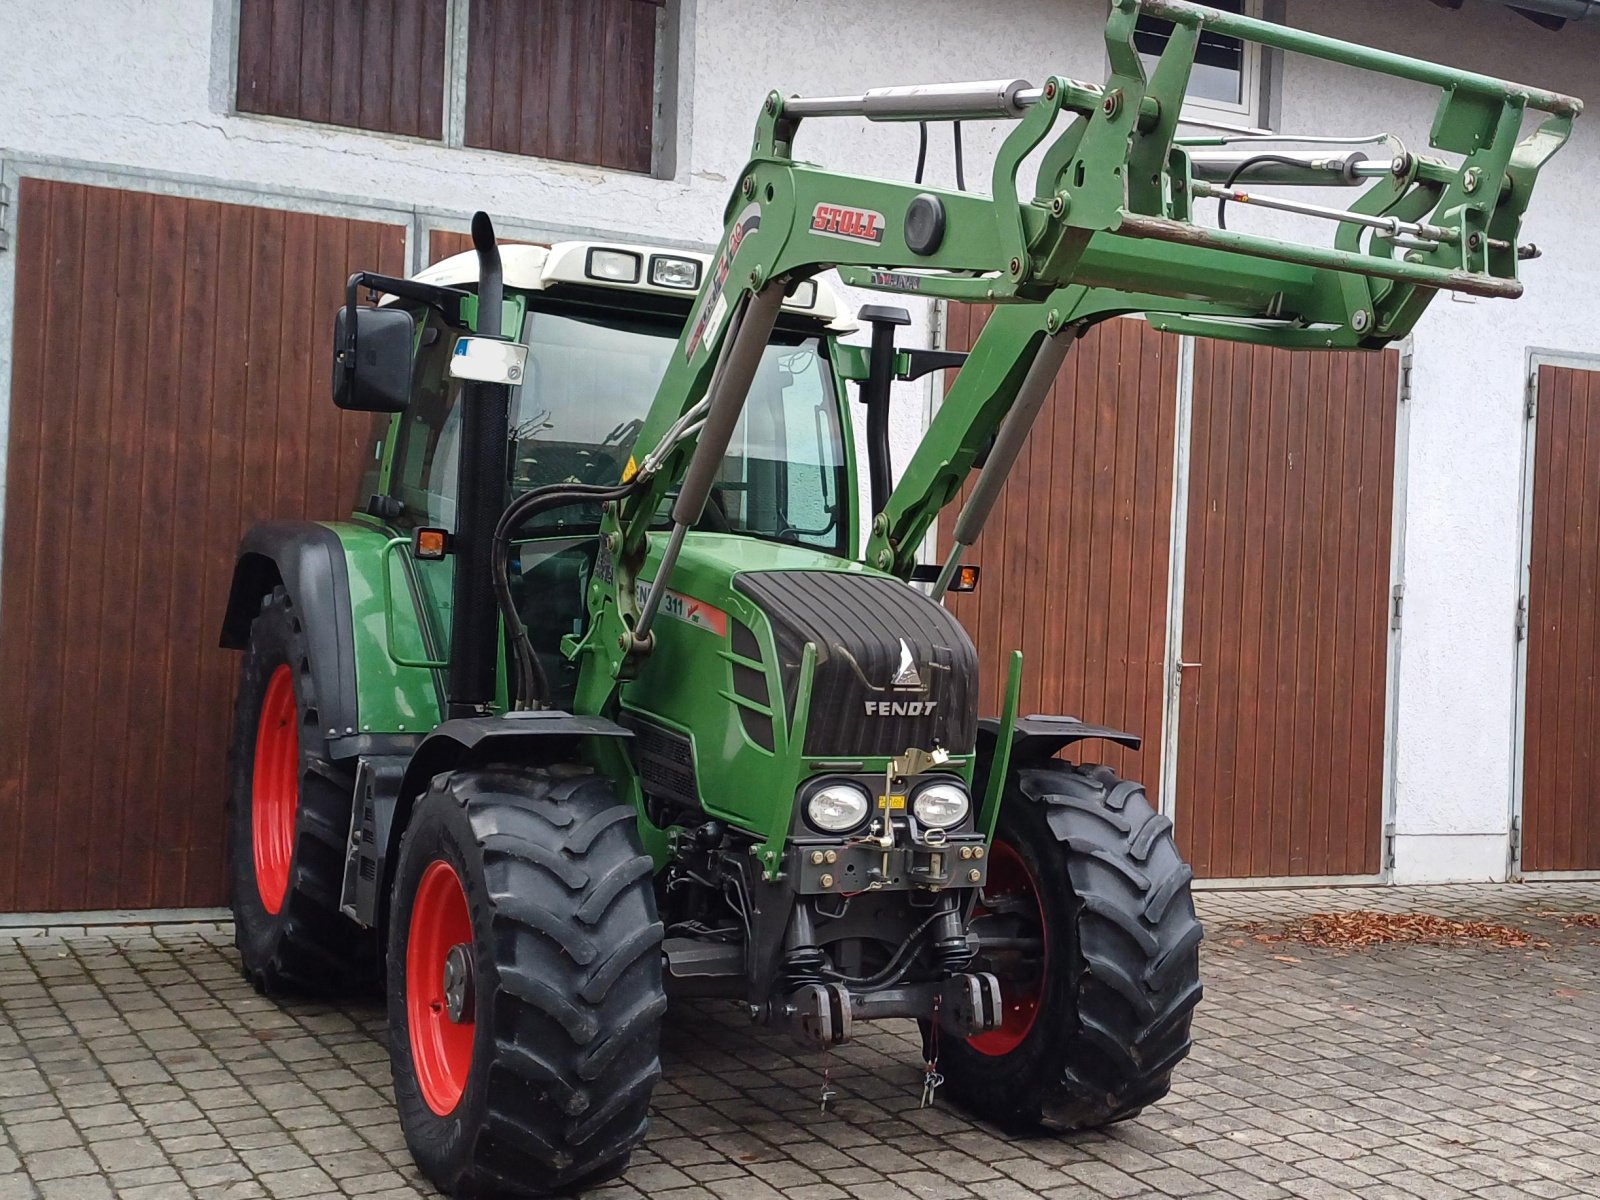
(372, 362)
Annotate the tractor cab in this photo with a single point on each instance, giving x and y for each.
(600, 323)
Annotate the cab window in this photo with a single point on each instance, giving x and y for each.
(427, 444)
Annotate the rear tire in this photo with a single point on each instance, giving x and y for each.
(540, 1082)
(288, 823)
(1095, 1036)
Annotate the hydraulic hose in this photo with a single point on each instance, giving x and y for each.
(1233, 178)
(531, 686)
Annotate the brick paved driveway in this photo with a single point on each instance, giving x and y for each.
(135, 1063)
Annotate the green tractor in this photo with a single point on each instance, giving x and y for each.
(600, 700)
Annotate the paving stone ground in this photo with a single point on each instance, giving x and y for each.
(134, 1062)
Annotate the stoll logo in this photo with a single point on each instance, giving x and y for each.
(906, 679)
(852, 224)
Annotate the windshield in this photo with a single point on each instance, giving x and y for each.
(590, 383)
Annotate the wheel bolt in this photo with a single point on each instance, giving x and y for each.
(458, 983)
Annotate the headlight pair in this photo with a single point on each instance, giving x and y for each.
(844, 805)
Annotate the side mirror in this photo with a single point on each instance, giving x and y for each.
(372, 359)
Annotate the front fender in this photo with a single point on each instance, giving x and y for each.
(542, 737)
(1037, 739)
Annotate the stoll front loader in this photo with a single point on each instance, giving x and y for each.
(598, 700)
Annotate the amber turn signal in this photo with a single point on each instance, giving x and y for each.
(430, 545)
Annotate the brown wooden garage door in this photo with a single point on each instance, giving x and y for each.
(169, 387)
(1285, 604)
(1075, 556)
(1285, 608)
(1561, 709)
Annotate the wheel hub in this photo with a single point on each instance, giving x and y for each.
(458, 983)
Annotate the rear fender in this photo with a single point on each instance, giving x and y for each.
(371, 703)
(308, 560)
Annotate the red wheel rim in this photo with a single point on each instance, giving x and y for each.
(441, 1049)
(1009, 876)
(275, 789)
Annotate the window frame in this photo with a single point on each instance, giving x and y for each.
(413, 515)
(669, 57)
(404, 426)
(1252, 84)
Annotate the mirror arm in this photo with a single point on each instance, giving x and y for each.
(445, 300)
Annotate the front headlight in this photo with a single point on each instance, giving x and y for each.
(940, 805)
(838, 807)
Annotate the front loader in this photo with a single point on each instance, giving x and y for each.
(599, 700)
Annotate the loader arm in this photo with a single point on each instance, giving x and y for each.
(1109, 229)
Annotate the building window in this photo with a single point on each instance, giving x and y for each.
(574, 80)
(1225, 84)
(558, 79)
(366, 64)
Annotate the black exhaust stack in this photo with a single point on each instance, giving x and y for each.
(480, 498)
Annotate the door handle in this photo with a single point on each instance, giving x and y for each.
(1184, 665)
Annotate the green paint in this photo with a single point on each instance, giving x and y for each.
(1000, 768)
(393, 697)
(392, 641)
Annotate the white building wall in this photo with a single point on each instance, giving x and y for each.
(146, 87)
(1462, 570)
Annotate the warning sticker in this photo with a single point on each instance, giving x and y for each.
(686, 609)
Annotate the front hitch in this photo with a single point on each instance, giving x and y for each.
(821, 1015)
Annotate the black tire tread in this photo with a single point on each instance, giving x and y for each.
(312, 948)
(576, 1017)
(1138, 938)
(1122, 961)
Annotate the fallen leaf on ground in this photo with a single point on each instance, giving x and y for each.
(1366, 928)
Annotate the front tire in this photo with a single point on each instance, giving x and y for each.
(525, 989)
(1093, 1031)
(288, 822)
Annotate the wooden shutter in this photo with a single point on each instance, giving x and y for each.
(565, 79)
(368, 64)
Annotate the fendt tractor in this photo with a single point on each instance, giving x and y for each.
(601, 699)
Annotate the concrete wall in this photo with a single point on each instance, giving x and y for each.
(146, 87)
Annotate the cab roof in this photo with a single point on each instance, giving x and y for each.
(537, 268)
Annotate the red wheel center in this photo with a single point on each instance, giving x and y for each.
(275, 789)
(1009, 876)
(439, 1022)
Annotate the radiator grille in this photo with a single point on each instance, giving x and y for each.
(858, 624)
